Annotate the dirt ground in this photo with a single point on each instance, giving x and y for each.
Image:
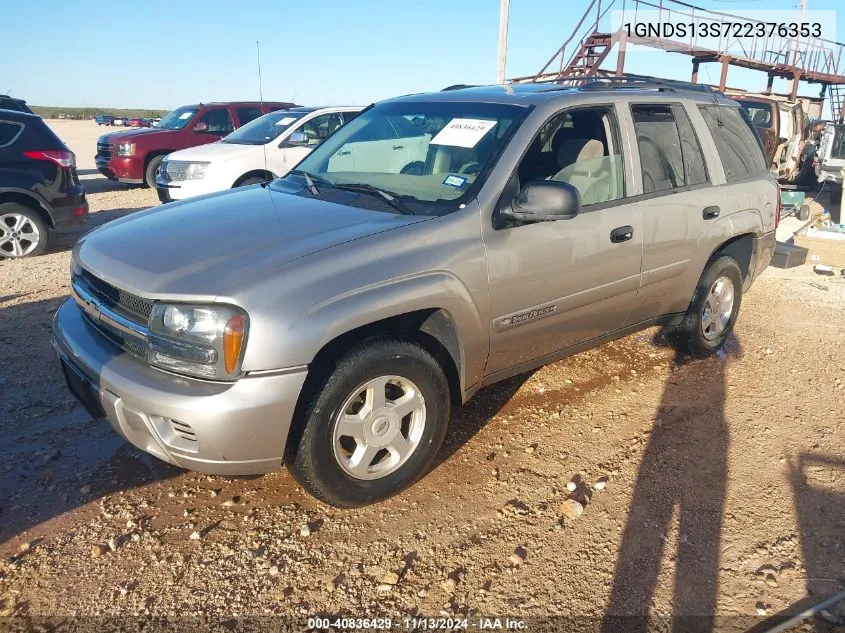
(711, 487)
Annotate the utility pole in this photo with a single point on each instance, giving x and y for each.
(503, 40)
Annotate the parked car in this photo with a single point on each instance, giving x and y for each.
(39, 188)
(135, 122)
(11, 103)
(435, 244)
(784, 125)
(135, 155)
(104, 119)
(830, 159)
(260, 151)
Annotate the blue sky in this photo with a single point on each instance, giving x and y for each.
(162, 54)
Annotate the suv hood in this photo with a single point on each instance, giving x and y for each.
(216, 152)
(124, 135)
(207, 247)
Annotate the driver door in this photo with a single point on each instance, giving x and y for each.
(555, 285)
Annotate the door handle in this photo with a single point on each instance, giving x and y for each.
(398, 147)
(344, 152)
(621, 234)
(710, 213)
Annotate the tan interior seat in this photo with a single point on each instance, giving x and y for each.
(582, 165)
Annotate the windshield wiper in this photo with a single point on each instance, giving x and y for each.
(309, 181)
(361, 187)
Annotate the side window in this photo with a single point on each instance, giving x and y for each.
(245, 115)
(378, 129)
(219, 121)
(659, 145)
(580, 147)
(9, 131)
(738, 145)
(320, 127)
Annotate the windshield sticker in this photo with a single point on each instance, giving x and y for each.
(454, 181)
(186, 115)
(286, 121)
(463, 132)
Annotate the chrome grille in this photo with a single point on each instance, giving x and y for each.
(132, 306)
(104, 150)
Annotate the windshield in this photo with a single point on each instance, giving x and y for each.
(264, 129)
(759, 112)
(431, 156)
(177, 119)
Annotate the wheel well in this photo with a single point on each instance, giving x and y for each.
(151, 155)
(433, 329)
(740, 248)
(255, 173)
(27, 201)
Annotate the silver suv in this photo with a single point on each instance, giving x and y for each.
(436, 244)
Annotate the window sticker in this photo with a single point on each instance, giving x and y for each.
(286, 121)
(463, 132)
(454, 181)
(185, 115)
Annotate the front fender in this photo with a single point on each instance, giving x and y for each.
(364, 306)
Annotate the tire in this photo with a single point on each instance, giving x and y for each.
(253, 180)
(152, 168)
(322, 460)
(692, 336)
(803, 212)
(23, 232)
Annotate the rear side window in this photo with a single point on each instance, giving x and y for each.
(670, 155)
(245, 115)
(738, 145)
(9, 132)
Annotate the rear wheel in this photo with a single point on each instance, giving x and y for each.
(713, 310)
(375, 426)
(152, 168)
(22, 231)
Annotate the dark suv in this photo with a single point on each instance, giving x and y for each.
(39, 187)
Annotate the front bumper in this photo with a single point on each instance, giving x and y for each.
(182, 189)
(123, 169)
(235, 428)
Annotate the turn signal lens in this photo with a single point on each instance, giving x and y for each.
(233, 339)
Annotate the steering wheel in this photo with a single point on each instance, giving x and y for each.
(470, 168)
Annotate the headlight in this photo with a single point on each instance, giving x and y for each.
(195, 171)
(204, 341)
(126, 149)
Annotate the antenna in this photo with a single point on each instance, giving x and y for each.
(261, 97)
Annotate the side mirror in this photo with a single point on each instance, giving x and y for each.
(297, 139)
(544, 201)
(202, 126)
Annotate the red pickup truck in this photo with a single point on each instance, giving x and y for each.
(134, 155)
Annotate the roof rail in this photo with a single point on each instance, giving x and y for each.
(639, 82)
(458, 87)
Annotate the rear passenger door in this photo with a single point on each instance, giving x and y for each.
(680, 206)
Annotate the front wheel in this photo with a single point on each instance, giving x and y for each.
(152, 168)
(375, 426)
(713, 310)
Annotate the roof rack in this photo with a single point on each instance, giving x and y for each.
(640, 82)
